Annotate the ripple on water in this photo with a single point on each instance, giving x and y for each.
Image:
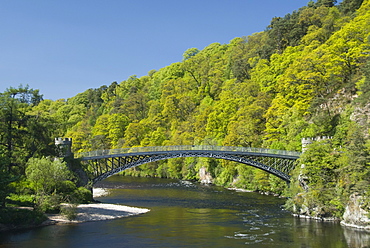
(252, 238)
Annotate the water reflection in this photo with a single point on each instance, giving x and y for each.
(356, 238)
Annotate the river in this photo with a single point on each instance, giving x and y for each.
(185, 214)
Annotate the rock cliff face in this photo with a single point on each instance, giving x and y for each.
(204, 176)
(361, 115)
(355, 215)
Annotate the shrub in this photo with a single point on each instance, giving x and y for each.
(66, 187)
(82, 195)
(21, 217)
(69, 211)
(48, 203)
(20, 200)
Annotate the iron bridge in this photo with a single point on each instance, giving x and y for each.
(105, 163)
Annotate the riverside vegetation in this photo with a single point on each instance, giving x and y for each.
(306, 75)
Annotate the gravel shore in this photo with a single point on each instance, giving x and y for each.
(98, 211)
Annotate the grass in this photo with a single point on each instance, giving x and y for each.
(15, 200)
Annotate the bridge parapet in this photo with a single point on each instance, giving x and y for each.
(135, 150)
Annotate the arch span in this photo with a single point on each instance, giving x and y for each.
(105, 163)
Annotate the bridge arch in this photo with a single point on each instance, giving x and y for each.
(105, 163)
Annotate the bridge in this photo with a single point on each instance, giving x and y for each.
(105, 163)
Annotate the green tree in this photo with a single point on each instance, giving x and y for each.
(326, 3)
(47, 176)
(355, 161)
(350, 6)
(320, 173)
(53, 183)
(22, 134)
(238, 60)
(190, 53)
(5, 179)
(134, 134)
(363, 85)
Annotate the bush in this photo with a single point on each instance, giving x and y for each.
(12, 217)
(82, 195)
(48, 203)
(20, 200)
(66, 187)
(69, 211)
(47, 176)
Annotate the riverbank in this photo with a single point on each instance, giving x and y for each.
(97, 211)
(84, 213)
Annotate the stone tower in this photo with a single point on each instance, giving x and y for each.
(64, 146)
(307, 141)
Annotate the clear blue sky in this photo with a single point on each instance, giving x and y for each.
(64, 47)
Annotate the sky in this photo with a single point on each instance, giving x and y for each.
(64, 47)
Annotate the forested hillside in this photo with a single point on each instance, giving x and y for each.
(306, 75)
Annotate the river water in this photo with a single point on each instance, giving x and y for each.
(185, 214)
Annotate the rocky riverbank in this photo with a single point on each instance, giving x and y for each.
(355, 215)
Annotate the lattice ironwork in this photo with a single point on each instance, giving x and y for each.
(105, 163)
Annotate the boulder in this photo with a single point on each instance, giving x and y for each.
(355, 215)
(204, 176)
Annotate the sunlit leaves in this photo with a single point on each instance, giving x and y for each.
(46, 175)
(190, 53)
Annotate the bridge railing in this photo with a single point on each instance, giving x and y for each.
(99, 153)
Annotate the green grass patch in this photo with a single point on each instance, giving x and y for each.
(16, 200)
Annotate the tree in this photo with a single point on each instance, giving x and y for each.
(5, 179)
(286, 31)
(134, 134)
(22, 134)
(350, 6)
(326, 3)
(52, 181)
(319, 173)
(47, 176)
(363, 85)
(190, 53)
(238, 61)
(355, 161)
